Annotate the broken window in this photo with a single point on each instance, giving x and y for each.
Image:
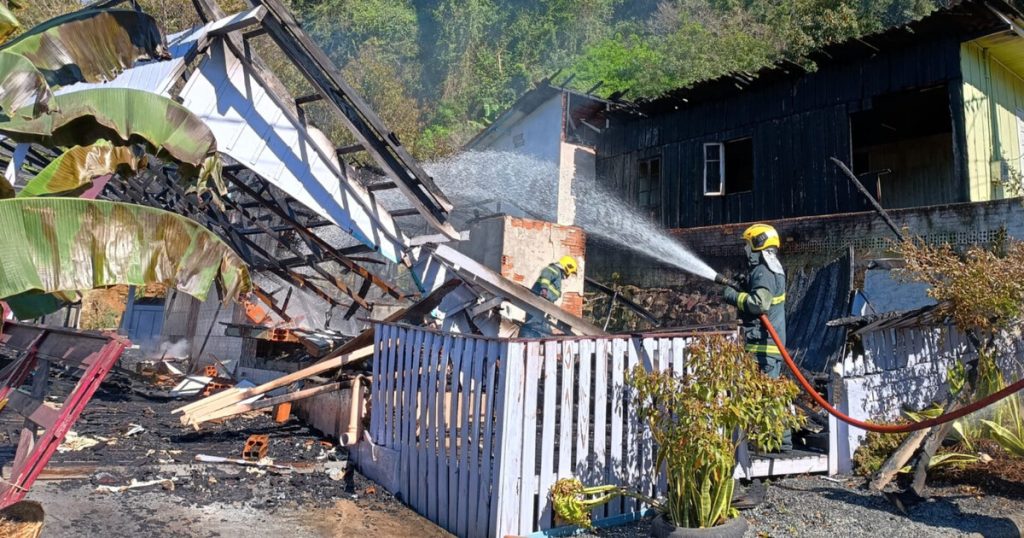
(902, 148)
(739, 165)
(728, 167)
(649, 186)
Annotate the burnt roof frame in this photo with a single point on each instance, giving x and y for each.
(361, 121)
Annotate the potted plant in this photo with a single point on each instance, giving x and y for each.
(693, 420)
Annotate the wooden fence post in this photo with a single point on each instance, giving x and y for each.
(507, 460)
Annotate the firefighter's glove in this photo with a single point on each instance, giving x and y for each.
(730, 295)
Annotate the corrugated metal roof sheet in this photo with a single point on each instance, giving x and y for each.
(815, 298)
(257, 133)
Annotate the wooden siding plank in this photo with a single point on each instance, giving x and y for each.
(401, 424)
(583, 409)
(528, 516)
(465, 388)
(634, 451)
(476, 441)
(565, 423)
(411, 449)
(388, 409)
(678, 345)
(600, 473)
(486, 491)
(453, 435)
(376, 391)
(441, 457)
(618, 470)
(548, 439)
(428, 463)
(505, 511)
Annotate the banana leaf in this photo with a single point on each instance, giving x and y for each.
(67, 244)
(8, 22)
(75, 169)
(123, 116)
(90, 45)
(22, 86)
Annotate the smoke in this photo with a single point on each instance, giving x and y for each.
(172, 350)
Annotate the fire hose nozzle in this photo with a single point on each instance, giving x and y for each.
(720, 279)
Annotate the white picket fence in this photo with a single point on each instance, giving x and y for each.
(481, 428)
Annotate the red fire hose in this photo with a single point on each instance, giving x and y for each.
(885, 428)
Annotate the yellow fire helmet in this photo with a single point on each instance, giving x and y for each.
(568, 263)
(761, 236)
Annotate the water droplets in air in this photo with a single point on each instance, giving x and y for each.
(523, 185)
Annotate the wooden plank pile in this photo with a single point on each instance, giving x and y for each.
(235, 401)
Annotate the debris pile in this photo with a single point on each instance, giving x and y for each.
(125, 441)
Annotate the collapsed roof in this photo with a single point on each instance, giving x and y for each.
(288, 188)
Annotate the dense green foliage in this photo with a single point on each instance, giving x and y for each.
(461, 62)
(437, 71)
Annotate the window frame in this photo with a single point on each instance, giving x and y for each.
(721, 168)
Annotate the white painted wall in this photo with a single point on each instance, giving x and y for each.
(538, 134)
(899, 368)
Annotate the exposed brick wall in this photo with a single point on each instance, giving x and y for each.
(520, 248)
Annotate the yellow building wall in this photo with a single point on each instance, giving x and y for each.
(994, 119)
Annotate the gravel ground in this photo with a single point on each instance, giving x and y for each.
(811, 506)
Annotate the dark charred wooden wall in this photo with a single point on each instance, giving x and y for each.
(796, 122)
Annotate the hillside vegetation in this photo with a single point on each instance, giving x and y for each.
(437, 71)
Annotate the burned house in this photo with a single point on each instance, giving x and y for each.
(929, 116)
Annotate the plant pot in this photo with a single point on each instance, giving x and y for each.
(661, 527)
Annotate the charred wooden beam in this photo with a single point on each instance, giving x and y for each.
(378, 281)
(385, 185)
(639, 310)
(342, 286)
(306, 99)
(354, 148)
(255, 231)
(362, 121)
(268, 300)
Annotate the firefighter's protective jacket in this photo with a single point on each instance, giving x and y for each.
(764, 293)
(549, 283)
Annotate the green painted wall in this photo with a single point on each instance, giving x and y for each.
(993, 101)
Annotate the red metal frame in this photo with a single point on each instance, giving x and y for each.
(50, 345)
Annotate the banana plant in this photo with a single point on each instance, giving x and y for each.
(74, 170)
(8, 22)
(52, 245)
(125, 116)
(22, 86)
(90, 45)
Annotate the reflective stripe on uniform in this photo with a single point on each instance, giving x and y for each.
(551, 287)
(741, 300)
(768, 349)
(779, 300)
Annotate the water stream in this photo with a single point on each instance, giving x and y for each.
(508, 181)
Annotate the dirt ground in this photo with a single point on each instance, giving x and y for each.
(327, 499)
(812, 506)
(74, 509)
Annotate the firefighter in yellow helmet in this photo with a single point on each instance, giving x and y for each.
(548, 286)
(764, 292)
